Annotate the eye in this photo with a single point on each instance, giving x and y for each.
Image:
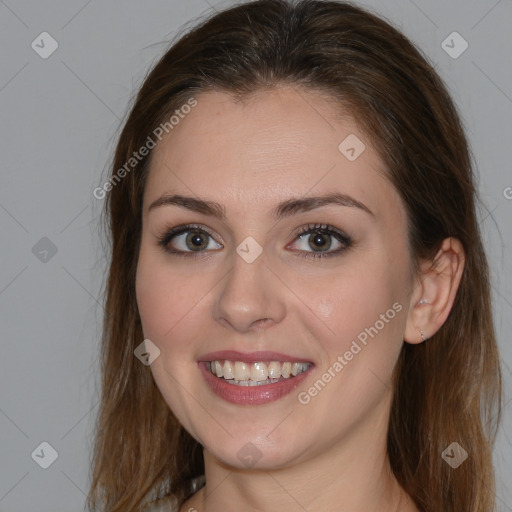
(322, 240)
(314, 241)
(186, 240)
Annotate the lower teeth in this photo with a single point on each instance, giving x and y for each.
(250, 382)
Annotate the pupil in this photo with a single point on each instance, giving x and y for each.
(196, 240)
(321, 242)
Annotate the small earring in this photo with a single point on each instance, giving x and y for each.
(423, 301)
(422, 335)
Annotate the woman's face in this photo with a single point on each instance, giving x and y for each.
(273, 277)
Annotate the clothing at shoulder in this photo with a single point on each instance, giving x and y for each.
(167, 504)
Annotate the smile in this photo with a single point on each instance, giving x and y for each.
(252, 378)
(240, 373)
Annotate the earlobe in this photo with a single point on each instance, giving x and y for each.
(435, 291)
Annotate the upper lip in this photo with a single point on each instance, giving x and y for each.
(251, 357)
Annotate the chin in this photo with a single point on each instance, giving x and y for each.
(256, 452)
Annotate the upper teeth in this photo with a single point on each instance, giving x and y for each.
(240, 371)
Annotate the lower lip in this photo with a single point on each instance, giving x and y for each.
(251, 395)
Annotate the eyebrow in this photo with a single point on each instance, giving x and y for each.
(284, 209)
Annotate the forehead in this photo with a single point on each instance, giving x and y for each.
(273, 145)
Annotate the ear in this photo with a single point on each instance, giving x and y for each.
(434, 292)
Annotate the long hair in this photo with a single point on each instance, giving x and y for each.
(447, 389)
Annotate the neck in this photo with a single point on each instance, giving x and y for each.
(354, 475)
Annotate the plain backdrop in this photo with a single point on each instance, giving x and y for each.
(60, 115)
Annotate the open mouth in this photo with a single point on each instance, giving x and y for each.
(240, 373)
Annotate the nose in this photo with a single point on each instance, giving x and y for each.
(250, 297)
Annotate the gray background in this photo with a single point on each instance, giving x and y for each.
(60, 117)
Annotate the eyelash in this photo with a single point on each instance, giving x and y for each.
(326, 229)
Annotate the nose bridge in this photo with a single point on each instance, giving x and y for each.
(249, 295)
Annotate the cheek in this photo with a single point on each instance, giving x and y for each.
(362, 313)
(163, 297)
(365, 299)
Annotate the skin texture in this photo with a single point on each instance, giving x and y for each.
(328, 454)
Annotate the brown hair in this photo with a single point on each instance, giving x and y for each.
(447, 388)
